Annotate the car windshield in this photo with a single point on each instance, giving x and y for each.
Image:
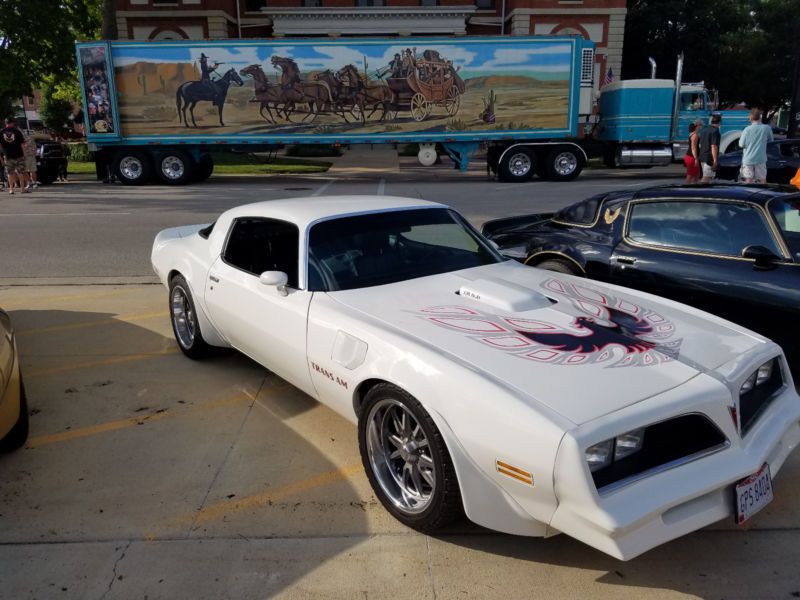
(786, 212)
(376, 249)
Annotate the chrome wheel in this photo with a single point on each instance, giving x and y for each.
(520, 164)
(131, 167)
(172, 167)
(182, 317)
(565, 164)
(400, 456)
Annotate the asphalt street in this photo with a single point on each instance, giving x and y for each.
(149, 475)
(90, 230)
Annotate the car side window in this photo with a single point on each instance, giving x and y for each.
(256, 245)
(710, 227)
(791, 150)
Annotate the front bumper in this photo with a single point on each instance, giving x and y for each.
(633, 519)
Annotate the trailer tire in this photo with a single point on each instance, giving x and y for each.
(563, 164)
(133, 167)
(517, 164)
(175, 167)
(204, 168)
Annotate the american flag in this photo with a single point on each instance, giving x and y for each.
(609, 77)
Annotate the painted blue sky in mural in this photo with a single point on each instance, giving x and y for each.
(544, 60)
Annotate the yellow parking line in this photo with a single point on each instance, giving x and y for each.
(43, 440)
(224, 508)
(100, 363)
(97, 323)
(24, 302)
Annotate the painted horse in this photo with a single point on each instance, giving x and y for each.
(192, 92)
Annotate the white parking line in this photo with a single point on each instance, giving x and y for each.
(322, 189)
(381, 187)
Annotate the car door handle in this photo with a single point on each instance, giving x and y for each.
(214, 279)
(626, 260)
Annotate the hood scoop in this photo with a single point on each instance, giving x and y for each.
(504, 295)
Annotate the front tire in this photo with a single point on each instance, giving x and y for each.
(558, 266)
(133, 167)
(183, 316)
(517, 164)
(19, 432)
(205, 168)
(406, 460)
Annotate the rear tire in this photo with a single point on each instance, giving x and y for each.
(183, 316)
(19, 433)
(517, 164)
(175, 167)
(563, 164)
(558, 266)
(406, 460)
(133, 167)
(204, 168)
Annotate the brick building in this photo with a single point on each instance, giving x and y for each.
(602, 21)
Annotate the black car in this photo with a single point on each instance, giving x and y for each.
(732, 250)
(783, 160)
(51, 159)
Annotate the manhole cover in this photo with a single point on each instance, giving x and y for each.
(300, 189)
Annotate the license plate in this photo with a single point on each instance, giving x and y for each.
(753, 494)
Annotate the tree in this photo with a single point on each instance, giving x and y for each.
(31, 54)
(55, 111)
(743, 48)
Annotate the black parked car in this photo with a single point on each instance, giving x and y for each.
(731, 250)
(783, 160)
(51, 159)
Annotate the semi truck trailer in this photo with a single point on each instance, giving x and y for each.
(157, 110)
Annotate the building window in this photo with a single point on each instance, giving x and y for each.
(484, 4)
(254, 5)
(168, 2)
(429, 3)
(369, 2)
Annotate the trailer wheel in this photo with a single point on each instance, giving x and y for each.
(133, 167)
(517, 164)
(175, 167)
(563, 164)
(204, 168)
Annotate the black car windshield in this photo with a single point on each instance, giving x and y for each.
(786, 212)
(380, 248)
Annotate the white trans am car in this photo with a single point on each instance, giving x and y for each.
(534, 402)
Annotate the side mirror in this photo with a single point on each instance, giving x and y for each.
(763, 258)
(277, 279)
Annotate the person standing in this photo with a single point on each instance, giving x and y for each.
(753, 143)
(709, 148)
(692, 158)
(11, 140)
(29, 149)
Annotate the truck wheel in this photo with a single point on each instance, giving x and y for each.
(175, 167)
(518, 164)
(563, 164)
(204, 168)
(133, 167)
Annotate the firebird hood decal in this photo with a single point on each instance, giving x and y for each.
(614, 332)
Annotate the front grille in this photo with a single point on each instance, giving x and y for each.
(752, 404)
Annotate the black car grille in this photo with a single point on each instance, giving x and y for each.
(753, 403)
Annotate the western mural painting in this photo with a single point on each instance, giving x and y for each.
(338, 88)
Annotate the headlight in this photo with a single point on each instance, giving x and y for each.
(758, 377)
(599, 455)
(628, 443)
(603, 454)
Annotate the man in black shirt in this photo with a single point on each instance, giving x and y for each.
(11, 140)
(709, 148)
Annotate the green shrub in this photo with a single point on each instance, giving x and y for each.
(313, 150)
(78, 151)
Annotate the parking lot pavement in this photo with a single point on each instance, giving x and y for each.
(149, 475)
